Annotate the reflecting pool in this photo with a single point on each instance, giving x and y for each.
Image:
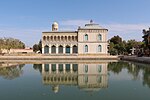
(75, 80)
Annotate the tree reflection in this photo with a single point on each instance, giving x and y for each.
(11, 72)
(146, 76)
(38, 67)
(133, 68)
(116, 67)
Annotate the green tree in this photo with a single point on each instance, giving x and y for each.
(146, 40)
(11, 43)
(116, 46)
(116, 39)
(38, 47)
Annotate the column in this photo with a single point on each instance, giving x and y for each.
(64, 49)
(50, 49)
(42, 50)
(71, 49)
(56, 49)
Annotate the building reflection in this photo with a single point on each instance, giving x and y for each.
(87, 76)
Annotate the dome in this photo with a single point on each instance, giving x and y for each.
(55, 23)
(55, 26)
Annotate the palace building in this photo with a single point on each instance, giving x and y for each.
(88, 40)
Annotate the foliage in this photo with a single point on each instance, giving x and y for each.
(146, 40)
(38, 47)
(118, 46)
(11, 43)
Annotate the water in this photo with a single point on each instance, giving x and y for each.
(75, 81)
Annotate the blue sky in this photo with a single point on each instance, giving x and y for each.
(26, 19)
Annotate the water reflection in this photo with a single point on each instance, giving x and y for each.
(11, 71)
(135, 69)
(87, 76)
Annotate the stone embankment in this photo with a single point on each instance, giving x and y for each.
(136, 59)
(57, 57)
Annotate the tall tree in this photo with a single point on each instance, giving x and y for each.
(38, 47)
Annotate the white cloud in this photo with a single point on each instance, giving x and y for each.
(126, 27)
(73, 22)
(113, 27)
(126, 31)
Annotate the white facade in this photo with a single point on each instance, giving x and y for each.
(88, 40)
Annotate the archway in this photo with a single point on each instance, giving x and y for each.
(75, 49)
(47, 38)
(86, 48)
(65, 38)
(68, 49)
(53, 49)
(46, 49)
(51, 38)
(44, 38)
(60, 49)
(99, 48)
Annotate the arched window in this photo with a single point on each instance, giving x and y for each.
(99, 48)
(60, 49)
(75, 49)
(67, 49)
(99, 37)
(46, 49)
(51, 38)
(53, 49)
(85, 37)
(86, 48)
(47, 38)
(44, 38)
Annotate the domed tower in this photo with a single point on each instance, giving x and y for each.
(55, 26)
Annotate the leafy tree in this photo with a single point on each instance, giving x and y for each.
(11, 43)
(116, 39)
(35, 47)
(38, 47)
(118, 46)
(146, 40)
